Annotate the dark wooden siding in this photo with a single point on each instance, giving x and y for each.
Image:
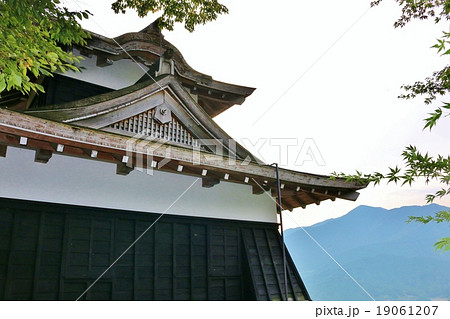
(265, 259)
(54, 252)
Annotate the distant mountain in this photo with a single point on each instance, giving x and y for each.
(389, 258)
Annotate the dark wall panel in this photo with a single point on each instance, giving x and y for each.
(62, 89)
(54, 252)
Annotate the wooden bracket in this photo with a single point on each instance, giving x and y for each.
(103, 60)
(123, 169)
(209, 182)
(42, 156)
(87, 52)
(3, 149)
(257, 189)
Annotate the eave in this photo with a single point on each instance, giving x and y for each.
(47, 137)
(148, 45)
(77, 111)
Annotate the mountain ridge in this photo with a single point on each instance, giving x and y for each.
(379, 248)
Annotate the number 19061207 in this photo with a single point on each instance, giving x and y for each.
(407, 310)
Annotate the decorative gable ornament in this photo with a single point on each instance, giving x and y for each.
(163, 114)
(166, 64)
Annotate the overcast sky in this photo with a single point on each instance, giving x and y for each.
(325, 71)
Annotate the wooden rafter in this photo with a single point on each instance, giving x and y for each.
(302, 204)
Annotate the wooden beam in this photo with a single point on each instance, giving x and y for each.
(349, 195)
(214, 98)
(9, 139)
(42, 156)
(331, 194)
(32, 127)
(87, 52)
(3, 149)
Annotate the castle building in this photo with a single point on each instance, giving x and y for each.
(108, 163)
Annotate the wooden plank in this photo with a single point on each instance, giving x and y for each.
(208, 262)
(225, 244)
(174, 260)
(291, 281)
(155, 261)
(37, 261)
(296, 278)
(134, 266)
(261, 265)
(274, 265)
(191, 264)
(91, 244)
(64, 253)
(111, 252)
(240, 260)
(9, 265)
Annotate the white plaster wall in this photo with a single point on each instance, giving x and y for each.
(69, 180)
(119, 75)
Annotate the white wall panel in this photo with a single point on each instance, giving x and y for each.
(77, 181)
(119, 75)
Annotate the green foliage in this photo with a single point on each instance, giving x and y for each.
(443, 216)
(443, 244)
(438, 84)
(191, 12)
(31, 35)
(420, 9)
(440, 217)
(416, 164)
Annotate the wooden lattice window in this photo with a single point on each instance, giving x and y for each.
(144, 123)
